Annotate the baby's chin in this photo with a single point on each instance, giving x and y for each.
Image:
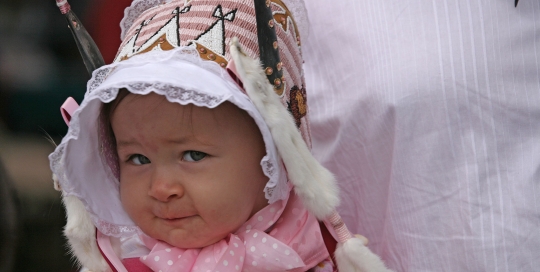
(188, 243)
(181, 239)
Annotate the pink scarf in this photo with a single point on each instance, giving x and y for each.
(293, 242)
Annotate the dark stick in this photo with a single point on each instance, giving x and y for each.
(87, 47)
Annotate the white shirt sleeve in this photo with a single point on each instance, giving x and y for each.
(428, 112)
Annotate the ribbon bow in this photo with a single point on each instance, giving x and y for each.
(292, 230)
(250, 250)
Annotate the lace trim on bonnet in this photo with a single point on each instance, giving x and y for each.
(274, 189)
(131, 13)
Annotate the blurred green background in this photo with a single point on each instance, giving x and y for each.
(39, 68)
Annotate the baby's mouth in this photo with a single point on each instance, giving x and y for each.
(169, 214)
(177, 221)
(173, 218)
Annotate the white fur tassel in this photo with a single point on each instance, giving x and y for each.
(313, 183)
(354, 256)
(81, 235)
(351, 254)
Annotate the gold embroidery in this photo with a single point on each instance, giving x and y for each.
(298, 104)
(301, 104)
(283, 18)
(161, 42)
(207, 54)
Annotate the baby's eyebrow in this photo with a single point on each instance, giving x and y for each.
(124, 143)
(190, 140)
(179, 140)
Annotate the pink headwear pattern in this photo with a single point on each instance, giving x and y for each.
(209, 26)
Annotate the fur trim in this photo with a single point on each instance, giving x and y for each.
(81, 235)
(354, 256)
(56, 184)
(313, 183)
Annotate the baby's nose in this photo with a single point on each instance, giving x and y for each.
(165, 188)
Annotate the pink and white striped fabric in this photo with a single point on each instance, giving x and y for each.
(212, 24)
(428, 112)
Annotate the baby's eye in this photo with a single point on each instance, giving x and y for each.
(138, 159)
(193, 156)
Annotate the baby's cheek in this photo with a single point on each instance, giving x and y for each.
(128, 198)
(234, 216)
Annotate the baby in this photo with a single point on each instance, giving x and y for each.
(187, 155)
(189, 175)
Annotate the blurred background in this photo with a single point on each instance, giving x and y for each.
(39, 68)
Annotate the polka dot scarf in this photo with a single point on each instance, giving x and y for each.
(282, 236)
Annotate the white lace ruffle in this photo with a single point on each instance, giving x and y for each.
(182, 53)
(100, 89)
(137, 7)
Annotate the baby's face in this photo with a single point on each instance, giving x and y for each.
(188, 175)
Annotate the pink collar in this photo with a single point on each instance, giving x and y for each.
(282, 236)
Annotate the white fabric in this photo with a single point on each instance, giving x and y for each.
(429, 114)
(80, 166)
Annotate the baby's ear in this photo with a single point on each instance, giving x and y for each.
(81, 235)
